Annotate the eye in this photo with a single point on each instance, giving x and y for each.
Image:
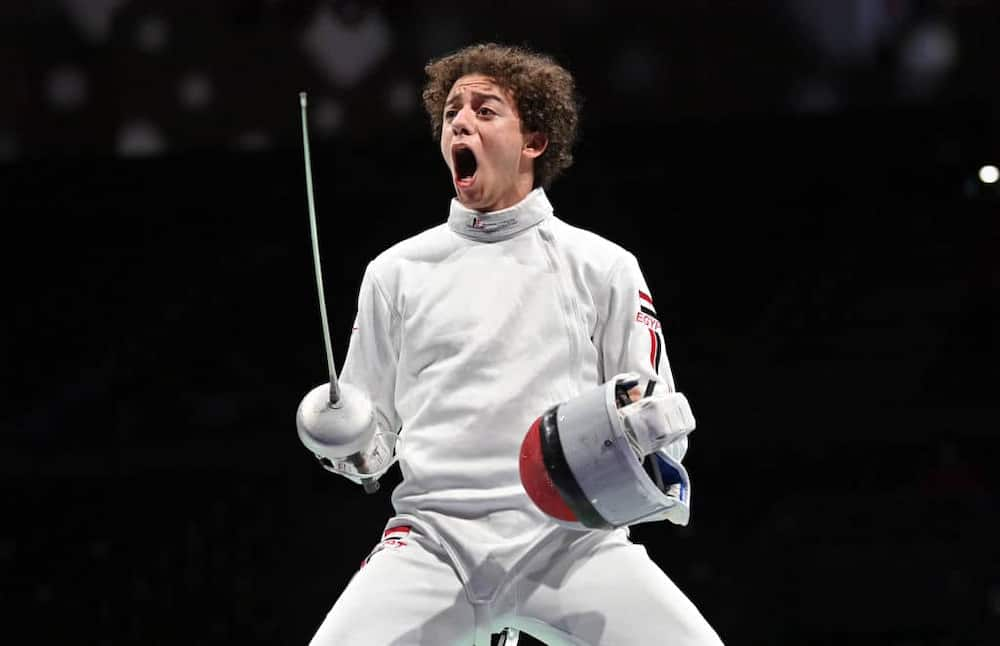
(450, 113)
(485, 112)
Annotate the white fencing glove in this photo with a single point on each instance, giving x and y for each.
(657, 421)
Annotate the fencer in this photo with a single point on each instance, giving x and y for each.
(514, 366)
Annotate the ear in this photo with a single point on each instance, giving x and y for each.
(535, 144)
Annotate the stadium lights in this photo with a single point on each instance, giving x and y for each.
(989, 174)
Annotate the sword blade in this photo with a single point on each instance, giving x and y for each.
(334, 384)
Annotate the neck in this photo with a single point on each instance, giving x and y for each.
(514, 194)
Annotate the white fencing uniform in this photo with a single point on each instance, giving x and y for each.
(465, 334)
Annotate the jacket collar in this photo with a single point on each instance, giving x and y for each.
(502, 224)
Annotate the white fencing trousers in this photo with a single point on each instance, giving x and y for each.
(598, 589)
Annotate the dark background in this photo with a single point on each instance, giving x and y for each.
(798, 178)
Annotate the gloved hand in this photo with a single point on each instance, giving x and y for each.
(345, 437)
(657, 421)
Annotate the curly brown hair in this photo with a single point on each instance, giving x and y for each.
(543, 90)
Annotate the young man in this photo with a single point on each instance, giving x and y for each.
(465, 334)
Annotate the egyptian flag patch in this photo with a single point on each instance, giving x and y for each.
(393, 538)
(647, 316)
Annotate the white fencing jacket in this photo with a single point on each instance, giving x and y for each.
(469, 331)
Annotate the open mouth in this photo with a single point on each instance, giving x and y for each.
(465, 165)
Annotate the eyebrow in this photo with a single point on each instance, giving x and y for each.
(457, 98)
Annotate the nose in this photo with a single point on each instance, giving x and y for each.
(461, 124)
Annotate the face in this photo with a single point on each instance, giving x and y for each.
(491, 160)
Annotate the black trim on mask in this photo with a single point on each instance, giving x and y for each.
(562, 476)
